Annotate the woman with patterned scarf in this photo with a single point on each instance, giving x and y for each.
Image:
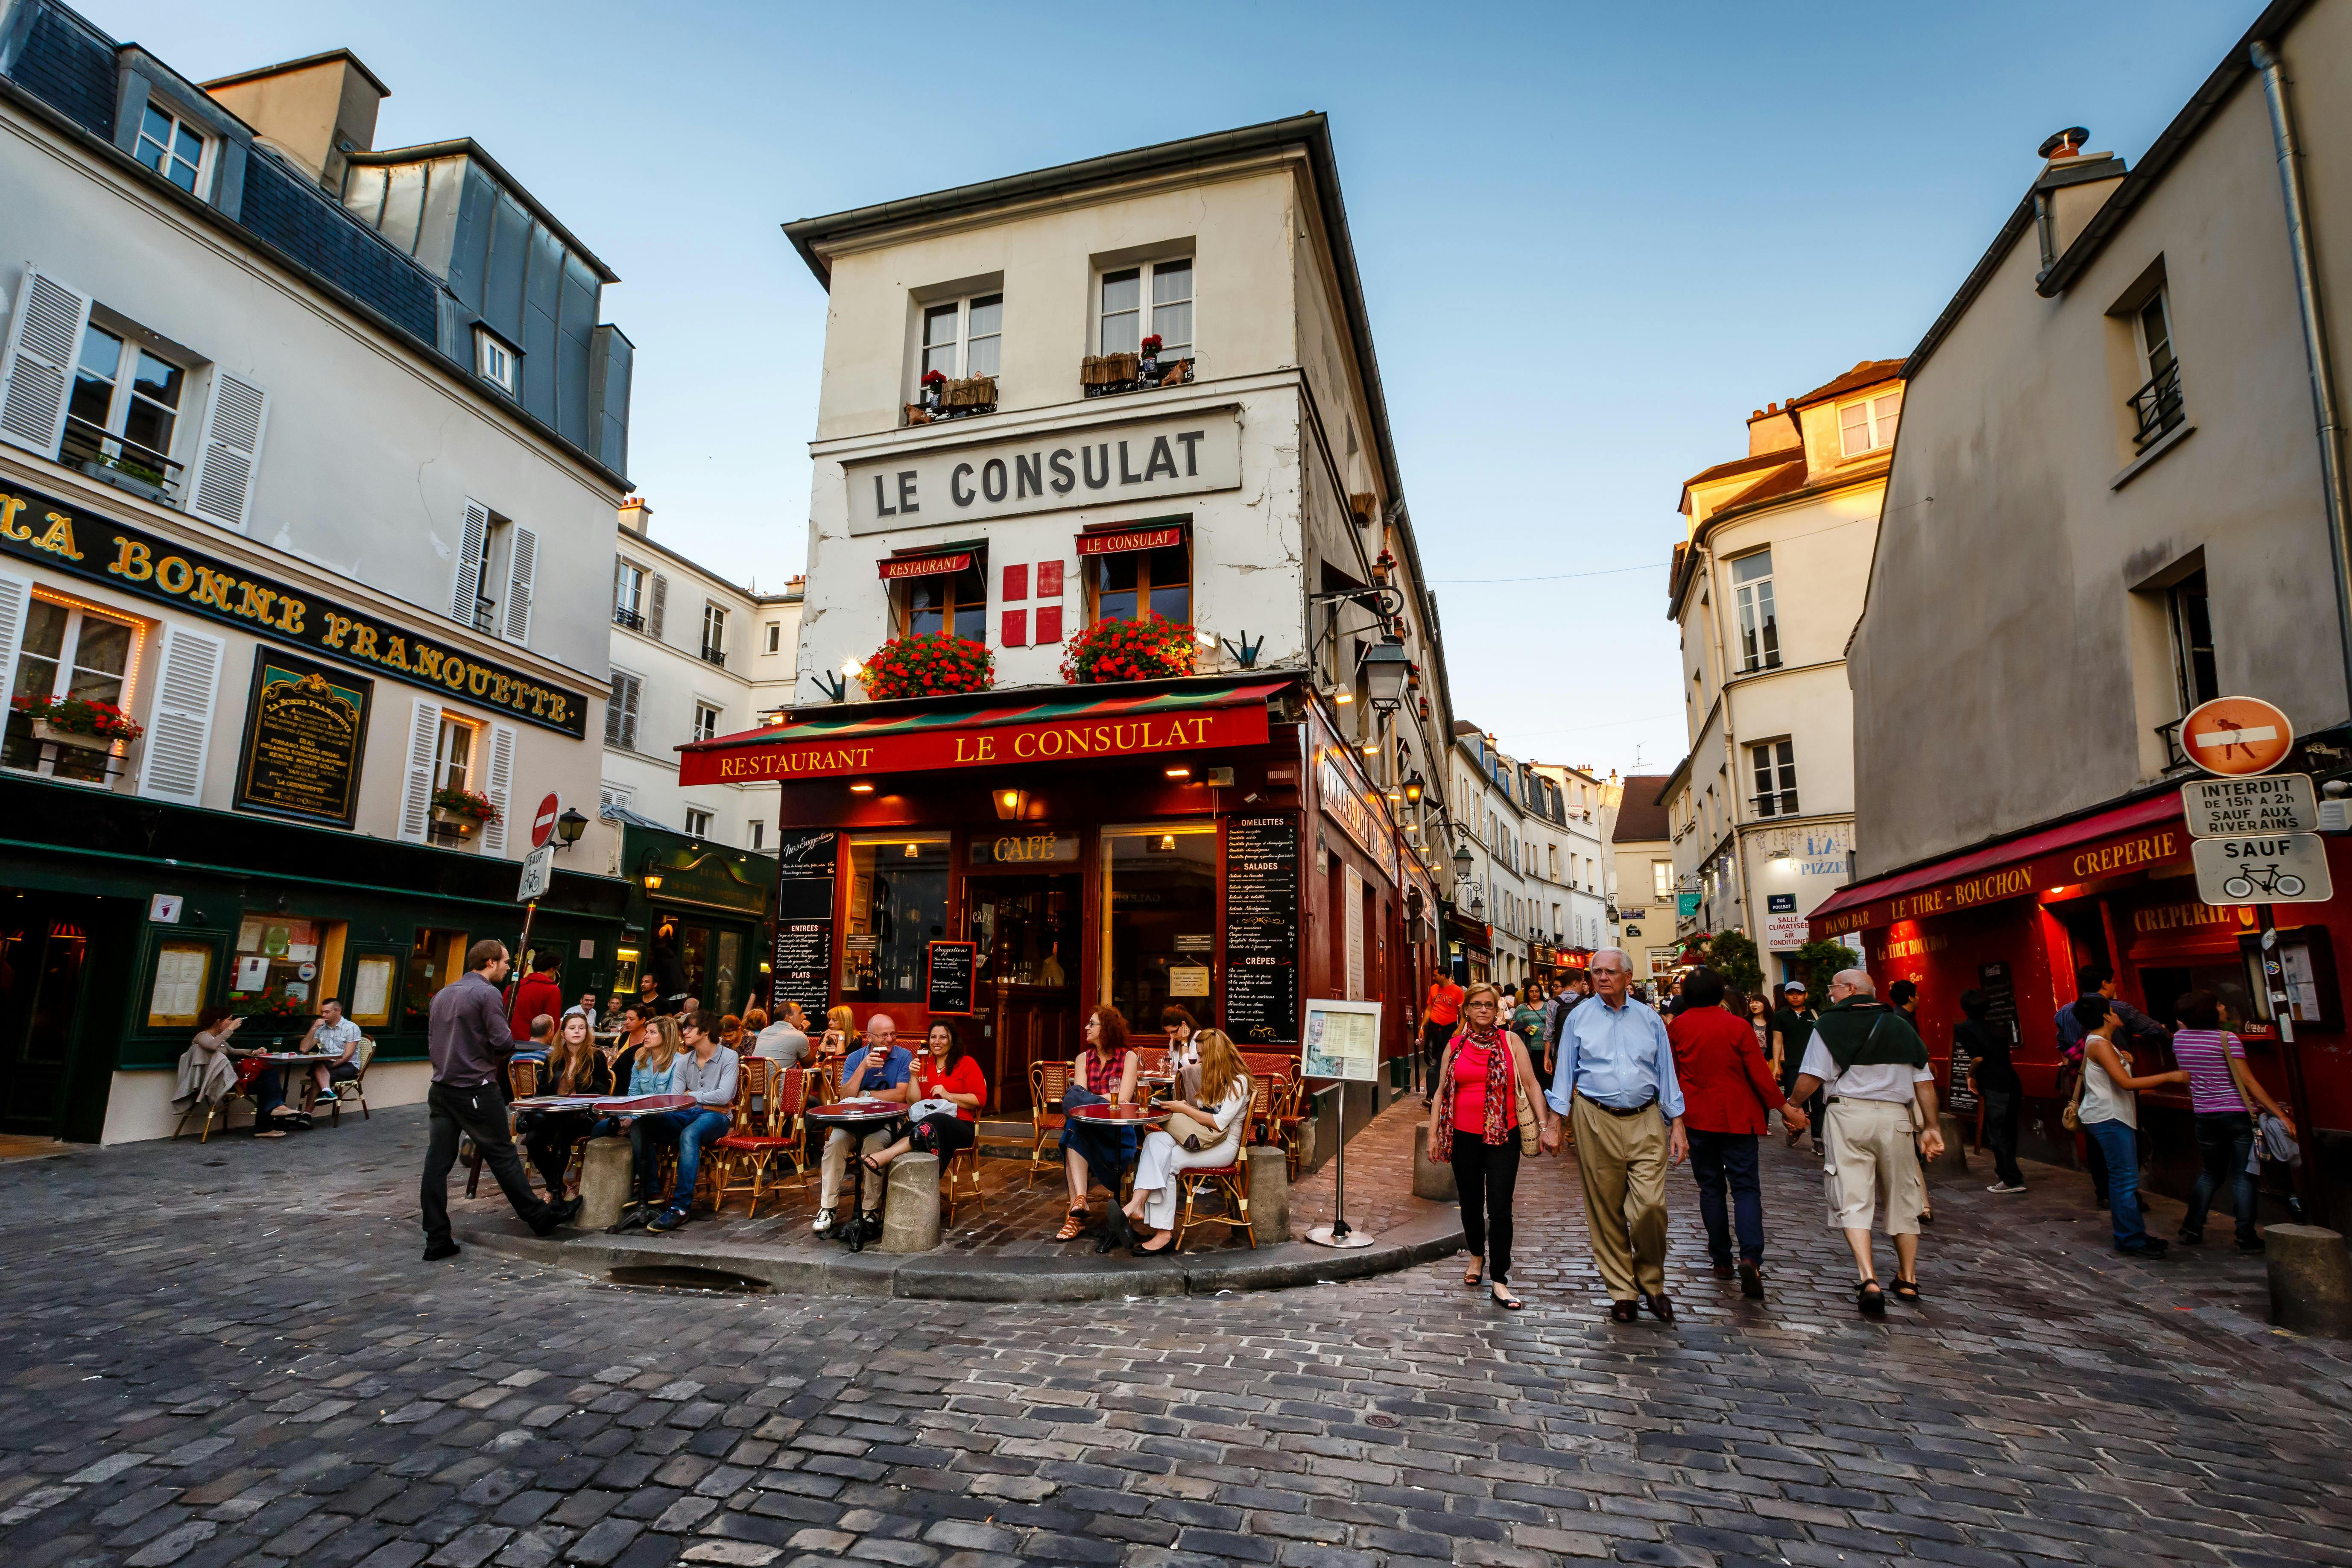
(1486, 1087)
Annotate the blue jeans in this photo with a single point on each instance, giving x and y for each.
(1715, 1157)
(689, 1130)
(2119, 1145)
(2225, 1139)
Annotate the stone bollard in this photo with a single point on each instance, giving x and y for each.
(1269, 1190)
(604, 1171)
(1954, 1160)
(1432, 1181)
(2311, 1279)
(910, 1204)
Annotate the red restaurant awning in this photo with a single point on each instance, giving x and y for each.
(2126, 838)
(1055, 728)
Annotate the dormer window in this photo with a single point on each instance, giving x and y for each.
(1867, 425)
(497, 361)
(169, 147)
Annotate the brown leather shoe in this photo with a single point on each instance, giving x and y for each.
(1624, 1312)
(1660, 1307)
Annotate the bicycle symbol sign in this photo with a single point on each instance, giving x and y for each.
(2277, 868)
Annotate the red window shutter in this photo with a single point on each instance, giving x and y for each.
(1016, 582)
(1016, 622)
(1049, 581)
(1049, 622)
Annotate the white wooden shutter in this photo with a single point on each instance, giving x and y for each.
(180, 723)
(417, 786)
(661, 603)
(44, 337)
(470, 546)
(501, 788)
(16, 596)
(524, 554)
(234, 420)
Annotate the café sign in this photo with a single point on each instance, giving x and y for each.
(811, 756)
(2135, 852)
(1094, 465)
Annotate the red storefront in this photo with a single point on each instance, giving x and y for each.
(2018, 918)
(1207, 842)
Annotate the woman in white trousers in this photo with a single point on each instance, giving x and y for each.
(1215, 1123)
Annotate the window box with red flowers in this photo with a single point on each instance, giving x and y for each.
(462, 809)
(940, 398)
(76, 721)
(929, 663)
(1101, 374)
(1146, 648)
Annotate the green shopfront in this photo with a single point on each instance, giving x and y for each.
(696, 920)
(121, 918)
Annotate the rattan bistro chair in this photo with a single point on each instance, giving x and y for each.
(1231, 1181)
(1047, 1080)
(356, 1089)
(754, 1140)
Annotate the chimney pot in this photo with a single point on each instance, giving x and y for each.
(2066, 143)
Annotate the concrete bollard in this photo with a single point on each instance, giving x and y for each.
(910, 1203)
(1954, 1160)
(1269, 1183)
(1430, 1181)
(2311, 1279)
(604, 1172)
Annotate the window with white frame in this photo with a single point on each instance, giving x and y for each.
(621, 711)
(755, 835)
(697, 823)
(775, 635)
(167, 146)
(1867, 424)
(706, 721)
(964, 337)
(455, 755)
(68, 651)
(628, 596)
(1168, 286)
(125, 410)
(2156, 405)
(714, 634)
(1775, 766)
(496, 362)
(614, 797)
(1759, 629)
(1661, 879)
(2192, 640)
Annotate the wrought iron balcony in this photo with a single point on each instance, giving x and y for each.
(2174, 757)
(715, 655)
(118, 460)
(629, 618)
(2157, 406)
(1777, 803)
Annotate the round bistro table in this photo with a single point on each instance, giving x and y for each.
(856, 1118)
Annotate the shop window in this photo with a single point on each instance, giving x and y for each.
(437, 958)
(951, 602)
(2192, 617)
(372, 990)
(1160, 920)
(1126, 583)
(68, 651)
(183, 977)
(897, 903)
(285, 964)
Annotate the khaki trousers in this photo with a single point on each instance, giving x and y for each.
(835, 1168)
(1621, 1160)
(1871, 1153)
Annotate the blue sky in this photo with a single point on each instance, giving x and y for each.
(1591, 238)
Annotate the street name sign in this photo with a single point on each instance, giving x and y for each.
(538, 868)
(2251, 806)
(2236, 735)
(2273, 869)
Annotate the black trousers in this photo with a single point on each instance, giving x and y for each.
(2001, 1110)
(550, 1139)
(480, 1113)
(1433, 1052)
(1486, 1174)
(943, 1135)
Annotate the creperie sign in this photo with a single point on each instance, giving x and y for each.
(2147, 847)
(1063, 740)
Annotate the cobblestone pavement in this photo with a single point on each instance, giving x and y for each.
(233, 1355)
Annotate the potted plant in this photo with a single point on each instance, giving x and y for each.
(1146, 648)
(1383, 567)
(76, 721)
(130, 474)
(462, 809)
(1149, 367)
(270, 1002)
(929, 664)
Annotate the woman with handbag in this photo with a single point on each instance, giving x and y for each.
(1206, 1133)
(1487, 1116)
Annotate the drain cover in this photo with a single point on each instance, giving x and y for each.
(1379, 1421)
(673, 1277)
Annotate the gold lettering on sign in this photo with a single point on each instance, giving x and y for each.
(1036, 847)
(2145, 850)
(2178, 917)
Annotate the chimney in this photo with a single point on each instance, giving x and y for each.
(2066, 143)
(636, 516)
(2074, 185)
(1772, 429)
(316, 111)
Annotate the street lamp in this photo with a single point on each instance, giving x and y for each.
(1462, 862)
(570, 825)
(1385, 667)
(1413, 787)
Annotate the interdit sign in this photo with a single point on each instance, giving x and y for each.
(1094, 464)
(2137, 851)
(1078, 739)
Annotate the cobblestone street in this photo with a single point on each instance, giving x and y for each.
(231, 1353)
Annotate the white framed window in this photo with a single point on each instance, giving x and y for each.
(1122, 313)
(614, 795)
(169, 146)
(496, 362)
(963, 337)
(628, 594)
(714, 635)
(2157, 406)
(621, 711)
(1661, 879)
(124, 411)
(755, 835)
(1775, 766)
(775, 635)
(2192, 640)
(697, 823)
(67, 650)
(455, 755)
(706, 721)
(1759, 629)
(1867, 424)
(2155, 335)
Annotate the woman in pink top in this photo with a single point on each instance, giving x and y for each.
(2220, 1092)
(1474, 1126)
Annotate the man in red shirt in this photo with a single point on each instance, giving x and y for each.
(539, 992)
(1437, 1021)
(1729, 1094)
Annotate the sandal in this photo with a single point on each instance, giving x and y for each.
(1073, 1227)
(1503, 1298)
(1870, 1299)
(1477, 1272)
(1906, 1290)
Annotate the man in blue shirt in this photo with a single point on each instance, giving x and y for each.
(883, 1070)
(1616, 1083)
(2098, 979)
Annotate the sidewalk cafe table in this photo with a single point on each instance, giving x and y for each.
(856, 1118)
(1109, 1118)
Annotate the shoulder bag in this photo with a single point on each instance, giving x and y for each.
(1531, 1127)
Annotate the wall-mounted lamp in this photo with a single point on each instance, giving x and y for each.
(1178, 772)
(1413, 785)
(1385, 667)
(913, 851)
(1010, 804)
(1462, 862)
(652, 881)
(861, 789)
(1342, 697)
(569, 826)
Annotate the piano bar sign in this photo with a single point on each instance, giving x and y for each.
(42, 529)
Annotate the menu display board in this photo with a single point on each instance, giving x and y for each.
(1343, 1041)
(949, 970)
(1261, 920)
(304, 727)
(803, 963)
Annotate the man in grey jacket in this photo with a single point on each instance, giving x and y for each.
(469, 1041)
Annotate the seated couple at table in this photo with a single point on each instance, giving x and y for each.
(1106, 1073)
(943, 1090)
(677, 1055)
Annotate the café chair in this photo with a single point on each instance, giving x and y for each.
(754, 1140)
(356, 1089)
(960, 1182)
(522, 1082)
(1233, 1183)
(1047, 1081)
(1290, 1124)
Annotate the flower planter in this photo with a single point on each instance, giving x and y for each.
(45, 731)
(463, 821)
(972, 394)
(107, 473)
(1106, 370)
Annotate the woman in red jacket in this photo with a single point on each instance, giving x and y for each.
(1729, 1094)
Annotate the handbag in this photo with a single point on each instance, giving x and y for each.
(1530, 1130)
(1192, 1135)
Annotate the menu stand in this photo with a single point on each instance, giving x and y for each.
(1339, 1233)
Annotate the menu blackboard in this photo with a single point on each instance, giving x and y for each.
(805, 867)
(951, 969)
(1262, 929)
(803, 966)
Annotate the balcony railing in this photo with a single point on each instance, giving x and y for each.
(118, 460)
(715, 655)
(629, 618)
(2156, 407)
(1779, 803)
(486, 614)
(952, 400)
(1101, 376)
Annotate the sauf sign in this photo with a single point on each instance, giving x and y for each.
(1102, 465)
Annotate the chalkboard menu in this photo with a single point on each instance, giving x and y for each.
(303, 730)
(1262, 929)
(2000, 989)
(803, 967)
(951, 970)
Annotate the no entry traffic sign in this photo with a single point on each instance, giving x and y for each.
(2236, 735)
(542, 821)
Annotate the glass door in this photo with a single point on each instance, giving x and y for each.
(1158, 932)
(1026, 928)
(43, 952)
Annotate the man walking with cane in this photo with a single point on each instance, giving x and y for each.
(469, 1041)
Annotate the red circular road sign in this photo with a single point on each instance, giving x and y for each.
(542, 821)
(2236, 735)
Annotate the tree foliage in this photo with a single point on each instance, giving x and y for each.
(1817, 961)
(1732, 954)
